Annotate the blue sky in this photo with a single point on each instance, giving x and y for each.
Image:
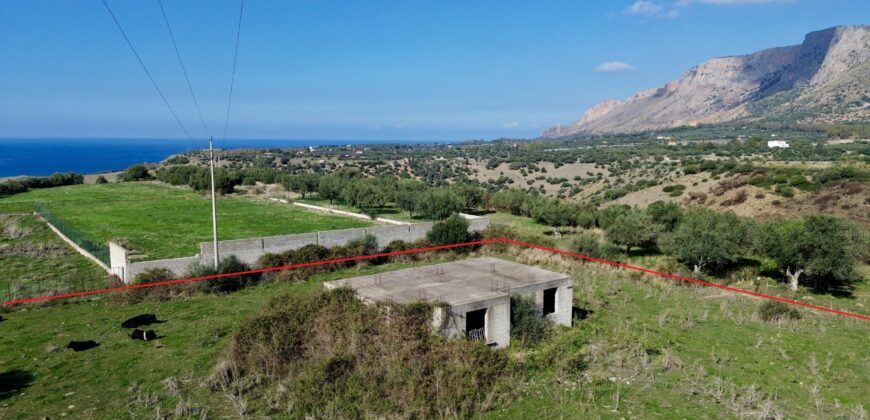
(401, 69)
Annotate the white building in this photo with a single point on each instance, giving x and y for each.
(782, 144)
(476, 294)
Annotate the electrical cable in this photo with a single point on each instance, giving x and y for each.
(183, 68)
(148, 73)
(233, 77)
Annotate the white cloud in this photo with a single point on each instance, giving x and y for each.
(613, 66)
(511, 125)
(645, 7)
(729, 2)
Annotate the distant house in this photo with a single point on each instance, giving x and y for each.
(782, 144)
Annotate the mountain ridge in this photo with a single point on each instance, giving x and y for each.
(826, 78)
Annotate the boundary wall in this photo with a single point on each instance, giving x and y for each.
(251, 249)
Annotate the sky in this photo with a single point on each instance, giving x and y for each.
(367, 70)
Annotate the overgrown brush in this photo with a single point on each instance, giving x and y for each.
(327, 354)
(774, 310)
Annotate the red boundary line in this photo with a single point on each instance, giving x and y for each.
(435, 248)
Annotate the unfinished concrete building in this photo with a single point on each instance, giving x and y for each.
(476, 294)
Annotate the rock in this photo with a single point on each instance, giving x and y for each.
(822, 75)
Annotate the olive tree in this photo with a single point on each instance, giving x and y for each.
(439, 203)
(633, 228)
(820, 246)
(409, 192)
(706, 238)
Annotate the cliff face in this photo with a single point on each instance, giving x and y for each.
(826, 78)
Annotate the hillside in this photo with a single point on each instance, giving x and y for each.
(824, 79)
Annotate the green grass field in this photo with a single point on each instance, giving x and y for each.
(648, 348)
(389, 212)
(34, 260)
(159, 221)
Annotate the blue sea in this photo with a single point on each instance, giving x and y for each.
(40, 157)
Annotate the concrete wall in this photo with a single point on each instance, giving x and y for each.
(177, 265)
(498, 324)
(249, 250)
(498, 320)
(118, 260)
(564, 298)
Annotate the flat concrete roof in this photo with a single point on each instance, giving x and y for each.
(455, 283)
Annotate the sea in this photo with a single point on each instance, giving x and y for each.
(41, 157)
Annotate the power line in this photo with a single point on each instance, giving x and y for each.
(233, 78)
(183, 69)
(148, 73)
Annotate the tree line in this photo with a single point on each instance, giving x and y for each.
(818, 250)
(17, 186)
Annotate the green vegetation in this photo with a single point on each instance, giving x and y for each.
(35, 261)
(823, 247)
(24, 184)
(164, 222)
(704, 353)
(333, 356)
(135, 173)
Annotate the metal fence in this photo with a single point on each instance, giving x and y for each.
(50, 285)
(96, 249)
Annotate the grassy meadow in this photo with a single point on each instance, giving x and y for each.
(34, 260)
(159, 221)
(645, 347)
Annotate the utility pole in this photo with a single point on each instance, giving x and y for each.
(213, 206)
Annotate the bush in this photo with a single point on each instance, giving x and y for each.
(454, 230)
(773, 310)
(364, 245)
(227, 265)
(333, 356)
(101, 180)
(528, 326)
(589, 244)
(136, 173)
(151, 275)
(785, 191)
(585, 218)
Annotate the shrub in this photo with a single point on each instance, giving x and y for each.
(528, 325)
(333, 356)
(363, 245)
(101, 180)
(785, 191)
(589, 244)
(585, 218)
(178, 160)
(773, 310)
(227, 265)
(135, 173)
(151, 275)
(454, 230)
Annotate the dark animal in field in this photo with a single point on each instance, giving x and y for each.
(82, 345)
(1, 318)
(140, 320)
(138, 334)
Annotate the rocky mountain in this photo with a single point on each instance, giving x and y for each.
(824, 79)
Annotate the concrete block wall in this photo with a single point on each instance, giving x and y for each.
(177, 265)
(249, 250)
(387, 234)
(564, 306)
(498, 324)
(331, 238)
(118, 260)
